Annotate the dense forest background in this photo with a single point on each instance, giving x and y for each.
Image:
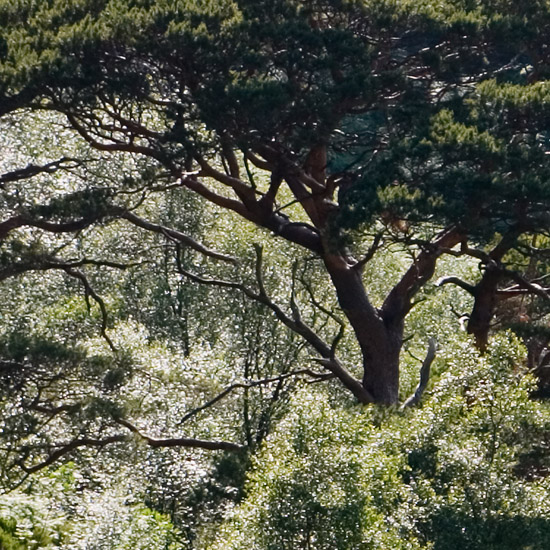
(274, 275)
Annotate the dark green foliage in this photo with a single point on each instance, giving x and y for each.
(90, 204)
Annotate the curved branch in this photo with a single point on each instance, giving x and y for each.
(259, 162)
(471, 289)
(204, 191)
(77, 274)
(424, 376)
(176, 236)
(247, 385)
(69, 447)
(181, 441)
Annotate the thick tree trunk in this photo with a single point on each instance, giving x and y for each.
(381, 367)
(379, 332)
(485, 292)
(379, 341)
(483, 311)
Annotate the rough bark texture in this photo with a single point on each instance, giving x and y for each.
(381, 367)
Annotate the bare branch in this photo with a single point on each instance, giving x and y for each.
(100, 263)
(328, 313)
(258, 269)
(424, 376)
(177, 236)
(471, 289)
(181, 441)
(66, 448)
(376, 244)
(248, 385)
(296, 315)
(268, 200)
(243, 191)
(69, 447)
(530, 287)
(229, 156)
(77, 274)
(258, 162)
(45, 263)
(340, 372)
(204, 191)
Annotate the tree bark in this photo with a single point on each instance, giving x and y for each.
(381, 366)
(379, 332)
(380, 343)
(483, 311)
(485, 292)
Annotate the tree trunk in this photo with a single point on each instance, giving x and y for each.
(381, 367)
(380, 342)
(380, 331)
(485, 292)
(483, 311)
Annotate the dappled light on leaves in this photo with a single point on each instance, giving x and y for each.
(274, 274)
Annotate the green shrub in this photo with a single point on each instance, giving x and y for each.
(441, 477)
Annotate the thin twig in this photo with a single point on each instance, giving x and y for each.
(247, 385)
(77, 274)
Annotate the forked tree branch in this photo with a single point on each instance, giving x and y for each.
(67, 448)
(241, 189)
(77, 274)
(376, 244)
(424, 376)
(399, 300)
(297, 325)
(328, 313)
